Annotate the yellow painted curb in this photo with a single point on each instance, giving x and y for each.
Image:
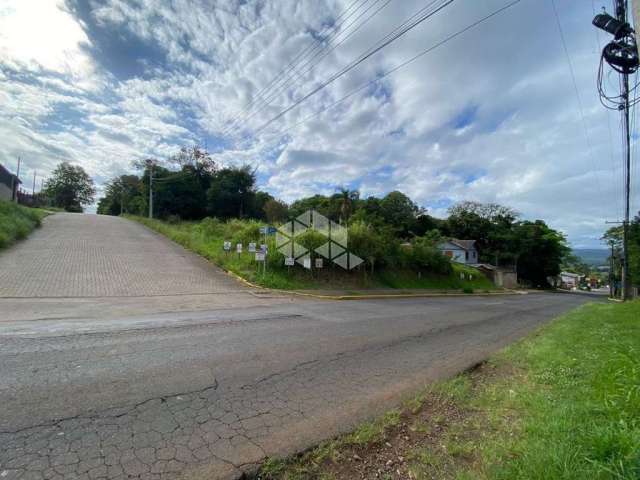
(372, 296)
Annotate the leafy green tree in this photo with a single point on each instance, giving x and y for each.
(399, 211)
(276, 211)
(539, 251)
(121, 196)
(231, 192)
(70, 187)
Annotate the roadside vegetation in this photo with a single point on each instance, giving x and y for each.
(16, 222)
(421, 267)
(202, 204)
(562, 404)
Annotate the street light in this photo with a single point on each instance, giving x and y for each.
(615, 27)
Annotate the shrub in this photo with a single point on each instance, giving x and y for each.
(426, 257)
(16, 222)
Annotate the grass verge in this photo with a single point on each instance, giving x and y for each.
(562, 404)
(206, 238)
(16, 222)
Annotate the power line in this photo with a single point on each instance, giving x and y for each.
(291, 66)
(355, 63)
(266, 100)
(577, 92)
(380, 77)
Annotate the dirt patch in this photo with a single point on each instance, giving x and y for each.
(433, 436)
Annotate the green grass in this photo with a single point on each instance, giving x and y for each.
(576, 400)
(16, 222)
(564, 403)
(206, 238)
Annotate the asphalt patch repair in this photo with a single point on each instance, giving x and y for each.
(430, 437)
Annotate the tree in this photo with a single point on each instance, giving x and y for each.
(491, 225)
(347, 198)
(122, 195)
(399, 211)
(276, 211)
(539, 251)
(70, 187)
(231, 192)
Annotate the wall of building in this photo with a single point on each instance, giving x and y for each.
(5, 192)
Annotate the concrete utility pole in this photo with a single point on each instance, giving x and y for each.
(33, 187)
(622, 56)
(18, 180)
(150, 189)
(621, 14)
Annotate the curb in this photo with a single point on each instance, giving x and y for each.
(372, 296)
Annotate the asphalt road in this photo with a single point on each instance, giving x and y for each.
(142, 386)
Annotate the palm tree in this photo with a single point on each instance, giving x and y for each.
(347, 200)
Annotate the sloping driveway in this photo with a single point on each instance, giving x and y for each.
(100, 256)
(95, 266)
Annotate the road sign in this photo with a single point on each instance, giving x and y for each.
(239, 248)
(318, 263)
(263, 248)
(268, 230)
(289, 261)
(227, 246)
(252, 247)
(260, 256)
(307, 263)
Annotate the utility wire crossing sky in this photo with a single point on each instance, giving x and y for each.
(445, 100)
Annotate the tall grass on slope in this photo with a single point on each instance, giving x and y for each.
(16, 222)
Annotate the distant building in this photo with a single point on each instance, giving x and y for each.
(8, 184)
(569, 280)
(461, 251)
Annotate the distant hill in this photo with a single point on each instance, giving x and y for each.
(592, 256)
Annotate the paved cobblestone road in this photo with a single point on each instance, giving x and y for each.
(100, 256)
(211, 393)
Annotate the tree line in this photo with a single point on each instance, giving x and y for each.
(191, 186)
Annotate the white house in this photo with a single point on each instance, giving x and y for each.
(461, 251)
(569, 280)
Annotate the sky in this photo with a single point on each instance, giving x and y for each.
(492, 115)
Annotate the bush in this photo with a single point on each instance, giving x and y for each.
(467, 290)
(16, 222)
(426, 257)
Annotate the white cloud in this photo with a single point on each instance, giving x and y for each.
(524, 144)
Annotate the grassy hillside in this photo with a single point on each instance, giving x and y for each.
(592, 256)
(207, 237)
(562, 404)
(16, 222)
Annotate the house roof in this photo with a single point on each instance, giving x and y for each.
(569, 274)
(464, 244)
(6, 176)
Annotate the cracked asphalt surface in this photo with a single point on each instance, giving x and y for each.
(210, 392)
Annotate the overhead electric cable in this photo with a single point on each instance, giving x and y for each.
(380, 77)
(291, 66)
(579, 100)
(354, 64)
(328, 48)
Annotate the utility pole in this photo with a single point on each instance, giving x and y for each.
(621, 14)
(33, 187)
(150, 190)
(622, 55)
(18, 180)
(611, 271)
